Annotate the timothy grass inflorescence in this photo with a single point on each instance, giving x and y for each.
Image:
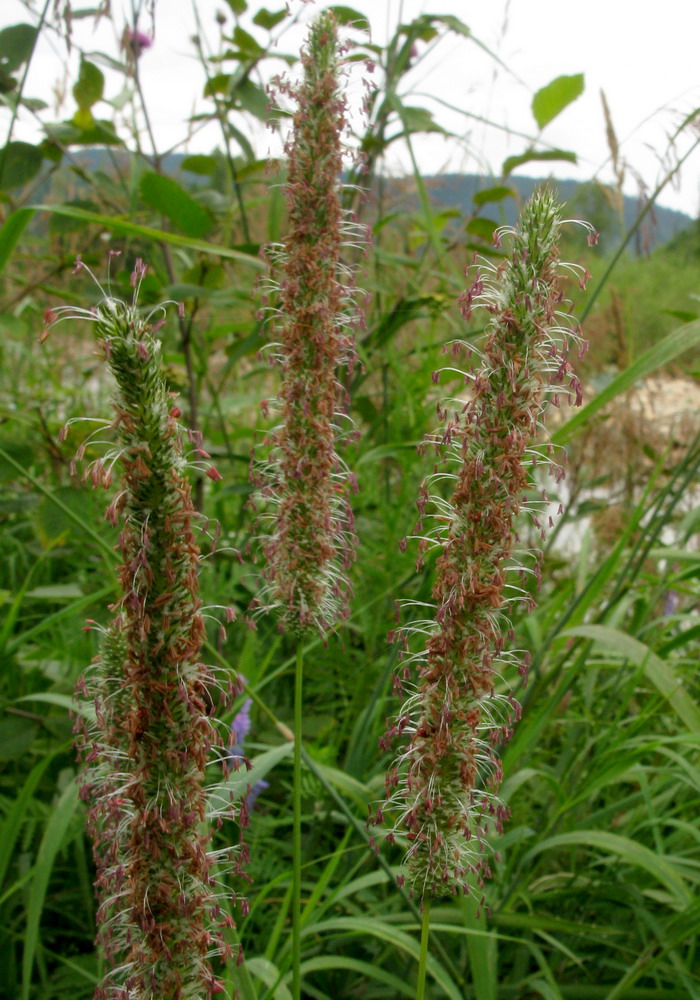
(311, 542)
(160, 919)
(442, 788)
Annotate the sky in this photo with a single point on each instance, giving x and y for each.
(647, 67)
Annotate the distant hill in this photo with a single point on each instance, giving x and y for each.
(586, 200)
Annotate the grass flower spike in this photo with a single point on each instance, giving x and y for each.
(442, 789)
(160, 921)
(311, 543)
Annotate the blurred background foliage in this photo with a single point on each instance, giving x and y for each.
(595, 896)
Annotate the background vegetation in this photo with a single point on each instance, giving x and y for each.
(595, 895)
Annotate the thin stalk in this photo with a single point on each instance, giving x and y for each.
(296, 834)
(423, 959)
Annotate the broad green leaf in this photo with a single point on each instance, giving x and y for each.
(52, 842)
(120, 225)
(513, 162)
(238, 6)
(168, 197)
(483, 228)
(552, 99)
(497, 193)
(247, 44)
(16, 44)
(11, 231)
(19, 163)
(253, 99)
(199, 164)
(659, 672)
(418, 120)
(218, 84)
(89, 87)
(628, 850)
(16, 737)
(269, 19)
(676, 343)
(350, 17)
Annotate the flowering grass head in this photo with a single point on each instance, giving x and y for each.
(160, 918)
(311, 544)
(441, 791)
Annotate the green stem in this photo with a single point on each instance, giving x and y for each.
(423, 959)
(296, 834)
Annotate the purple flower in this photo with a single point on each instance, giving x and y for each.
(136, 42)
(240, 727)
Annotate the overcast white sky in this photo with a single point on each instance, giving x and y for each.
(644, 56)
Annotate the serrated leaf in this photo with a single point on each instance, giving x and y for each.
(19, 163)
(89, 87)
(497, 193)
(269, 19)
(16, 44)
(199, 164)
(552, 99)
(513, 162)
(168, 197)
(349, 17)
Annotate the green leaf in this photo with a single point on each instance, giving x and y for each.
(16, 737)
(237, 781)
(12, 822)
(90, 85)
(16, 44)
(483, 228)
(513, 162)
(11, 231)
(168, 197)
(218, 84)
(19, 163)
(199, 164)
(159, 235)
(247, 44)
(253, 99)
(269, 19)
(552, 99)
(349, 17)
(630, 851)
(497, 193)
(676, 343)
(418, 120)
(453, 23)
(659, 672)
(51, 843)
(238, 6)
